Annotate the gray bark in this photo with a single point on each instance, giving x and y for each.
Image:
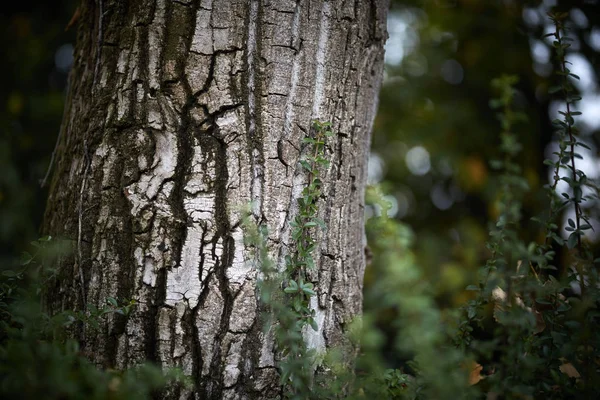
(179, 114)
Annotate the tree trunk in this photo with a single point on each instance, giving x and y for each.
(179, 114)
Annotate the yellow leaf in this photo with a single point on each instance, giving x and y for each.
(474, 369)
(569, 370)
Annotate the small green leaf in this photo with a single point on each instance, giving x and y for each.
(10, 273)
(471, 312)
(320, 222)
(554, 89)
(26, 258)
(310, 263)
(305, 164)
(572, 241)
(585, 146)
(112, 301)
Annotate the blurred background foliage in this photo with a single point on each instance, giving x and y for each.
(37, 54)
(435, 133)
(433, 138)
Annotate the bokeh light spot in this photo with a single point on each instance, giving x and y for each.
(452, 72)
(417, 160)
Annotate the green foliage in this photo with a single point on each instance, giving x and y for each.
(287, 293)
(39, 358)
(505, 246)
(543, 343)
(297, 264)
(528, 329)
(434, 368)
(568, 142)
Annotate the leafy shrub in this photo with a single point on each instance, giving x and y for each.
(39, 359)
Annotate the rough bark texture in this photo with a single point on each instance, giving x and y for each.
(179, 114)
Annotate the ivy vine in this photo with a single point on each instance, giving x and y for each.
(287, 293)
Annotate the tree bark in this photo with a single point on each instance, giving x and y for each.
(179, 114)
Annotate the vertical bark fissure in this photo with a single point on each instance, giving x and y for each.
(251, 50)
(79, 230)
(99, 42)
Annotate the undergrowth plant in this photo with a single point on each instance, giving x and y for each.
(39, 357)
(581, 299)
(434, 369)
(531, 322)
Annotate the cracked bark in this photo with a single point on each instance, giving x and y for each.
(180, 113)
